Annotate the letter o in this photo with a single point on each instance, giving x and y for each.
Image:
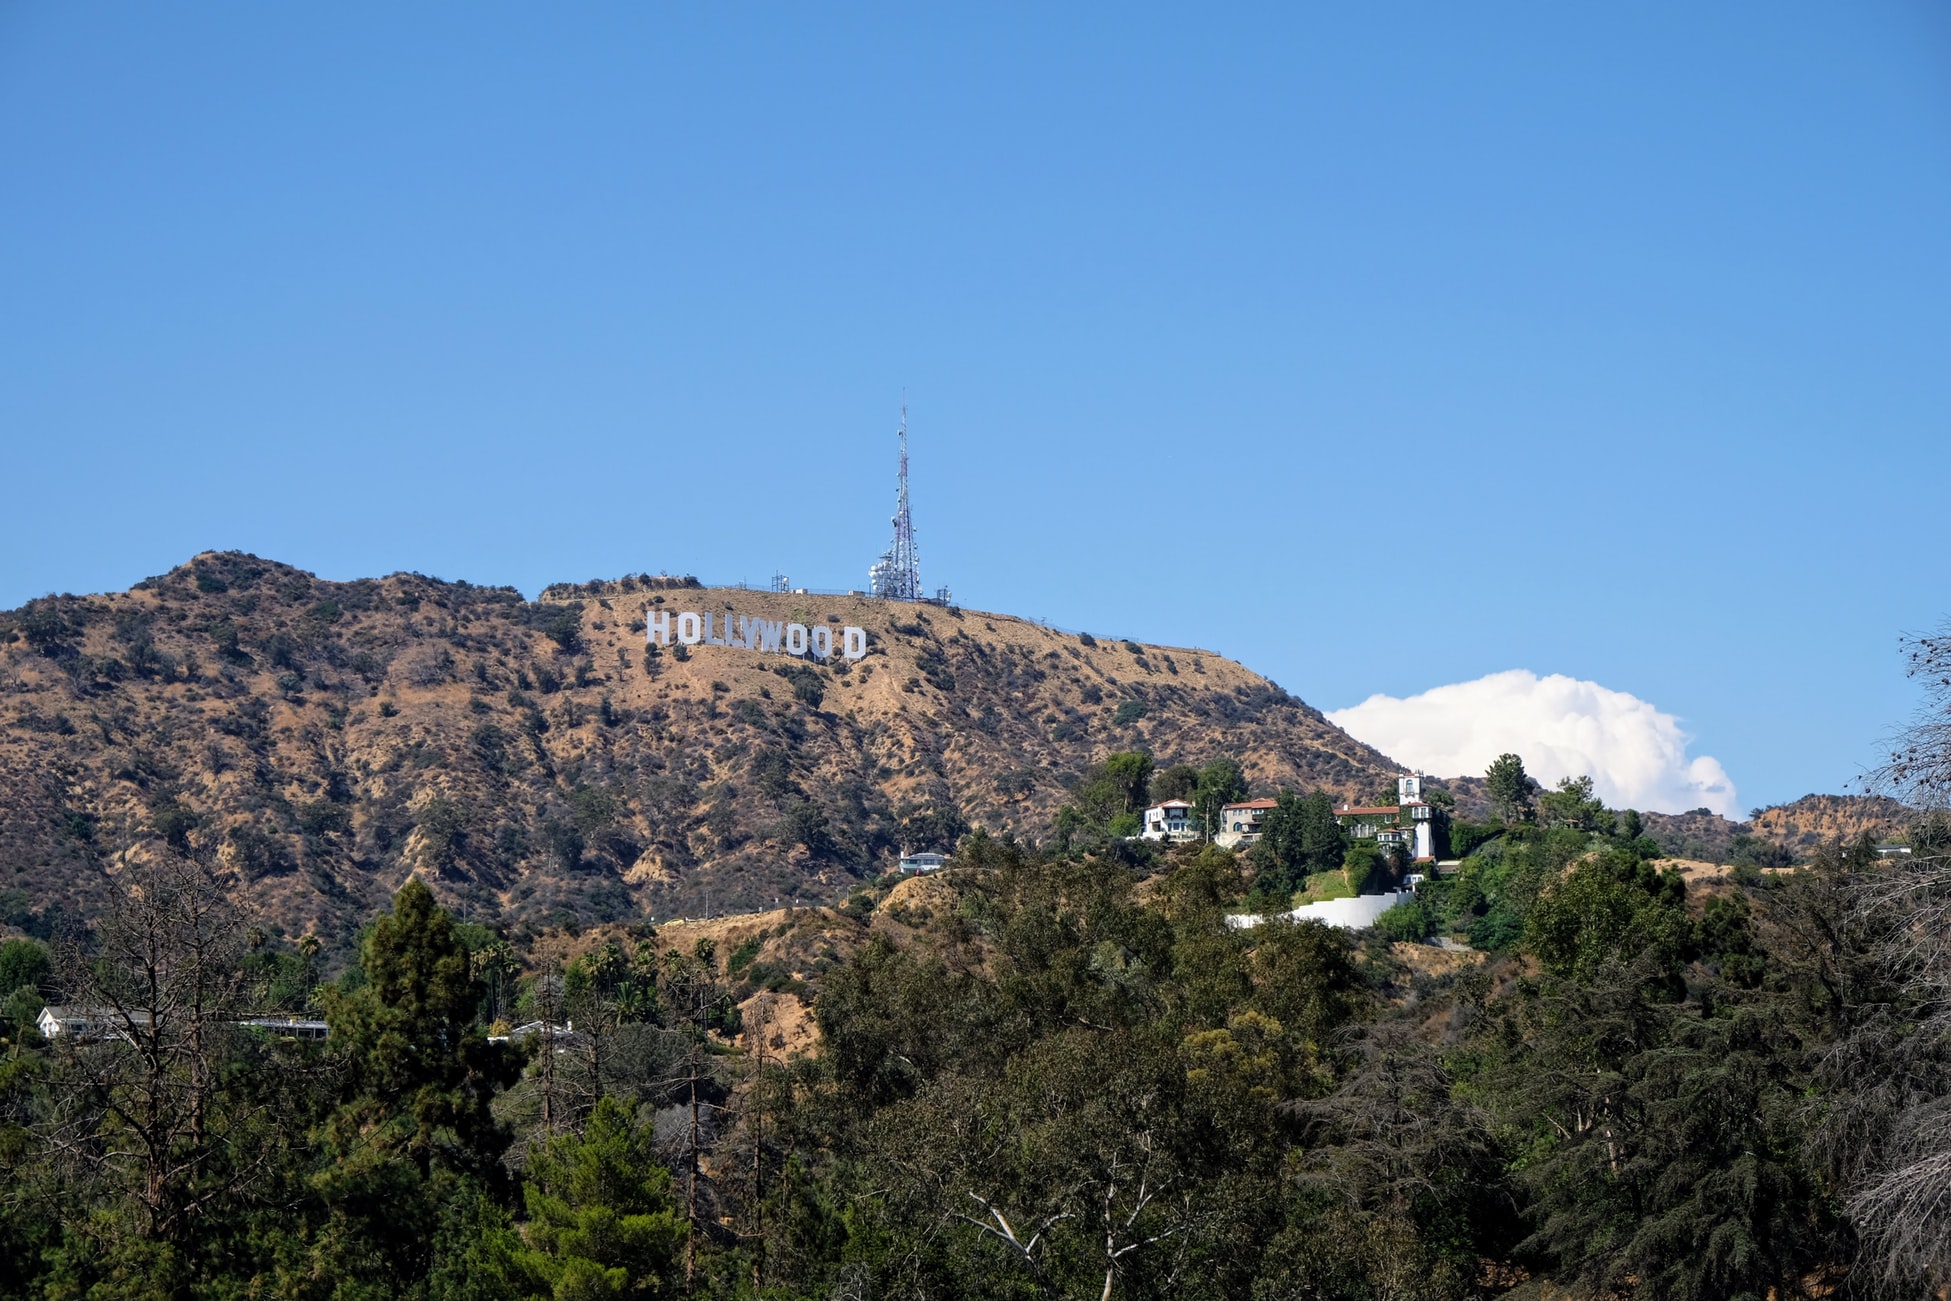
(795, 639)
(822, 642)
(690, 628)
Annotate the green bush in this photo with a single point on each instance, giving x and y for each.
(1363, 867)
(1500, 928)
(1408, 921)
(1466, 837)
(742, 956)
(23, 963)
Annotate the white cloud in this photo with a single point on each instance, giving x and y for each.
(1635, 755)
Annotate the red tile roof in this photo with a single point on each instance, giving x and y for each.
(1254, 804)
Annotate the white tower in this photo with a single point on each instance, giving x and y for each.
(897, 574)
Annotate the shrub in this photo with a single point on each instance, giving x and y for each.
(1363, 867)
(321, 817)
(1408, 921)
(23, 963)
(936, 670)
(562, 624)
(807, 687)
(1128, 713)
(743, 956)
(46, 630)
(491, 747)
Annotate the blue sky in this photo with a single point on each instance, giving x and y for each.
(1381, 347)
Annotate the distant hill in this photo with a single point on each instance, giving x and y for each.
(1800, 827)
(1816, 819)
(324, 740)
(1708, 837)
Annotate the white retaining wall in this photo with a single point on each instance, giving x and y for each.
(1349, 914)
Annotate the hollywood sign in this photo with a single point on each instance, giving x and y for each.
(773, 636)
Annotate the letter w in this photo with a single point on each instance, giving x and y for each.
(768, 630)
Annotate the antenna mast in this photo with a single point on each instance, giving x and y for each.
(897, 575)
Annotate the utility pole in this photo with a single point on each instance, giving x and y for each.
(703, 995)
(691, 1188)
(550, 1010)
(758, 1150)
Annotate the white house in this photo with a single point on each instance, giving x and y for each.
(565, 1031)
(924, 862)
(1171, 820)
(289, 1027)
(1407, 823)
(55, 1022)
(83, 1024)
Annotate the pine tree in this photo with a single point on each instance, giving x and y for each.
(1509, 788)
(412, 1132)
(602, 1219)
(421, 1071)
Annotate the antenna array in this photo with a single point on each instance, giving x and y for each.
(896, 576)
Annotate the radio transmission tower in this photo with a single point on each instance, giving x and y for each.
(897, 574)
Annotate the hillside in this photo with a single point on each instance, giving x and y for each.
(1819, 819)
(324, 740)
(1798, 827)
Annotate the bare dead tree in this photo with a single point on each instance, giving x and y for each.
(696, 999)
(154, 1001)
(548, 1002)
(1112, 1194)
(1900, 1203)
(594, 1019)
(995, 1224)
(755, 1036)
(1129, 1189)
(1919, 768)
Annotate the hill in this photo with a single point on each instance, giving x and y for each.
(1819, 819)
(1798, 828)
(324, 740)
(1700, 834)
